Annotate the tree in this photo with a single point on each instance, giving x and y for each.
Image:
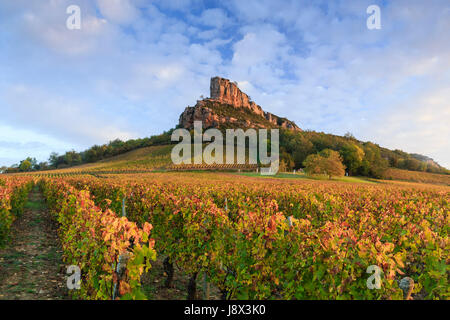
(72, 158)
(25, 165)
(349, 135)
(313, 164)
(286, 162)
(297, 145)
(412, 164)
(394, 160)
(327, 162)
(53, 159)
(373, 164)
(352, 156)
(42, 166)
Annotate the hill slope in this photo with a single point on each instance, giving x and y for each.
(156, 158)
(147, 158)
(417, 176)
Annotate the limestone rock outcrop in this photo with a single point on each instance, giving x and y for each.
(224, 93)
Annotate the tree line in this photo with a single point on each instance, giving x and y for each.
(93, 154)
(357, 157)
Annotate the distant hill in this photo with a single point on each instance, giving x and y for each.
(425, 159)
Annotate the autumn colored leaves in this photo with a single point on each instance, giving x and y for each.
(240, 235)
(13, 197)
(95, 241)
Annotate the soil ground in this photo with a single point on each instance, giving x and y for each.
(30, 263)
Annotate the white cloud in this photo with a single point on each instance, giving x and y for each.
(118, 11)
(208, 34)
(66, 118)
(417, 125)
(258, 47)
(23, 143)
(214, 18)
(44, 27)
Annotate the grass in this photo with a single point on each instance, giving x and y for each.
(38, 206)
(35, 205)
(278, 175)
(285, 175)
(51, 255)
(355, 179)
(14, 256)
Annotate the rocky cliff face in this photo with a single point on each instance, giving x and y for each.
(225, 91)
(220, 109)
(200, 112)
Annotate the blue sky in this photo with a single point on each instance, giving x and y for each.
(134, 66)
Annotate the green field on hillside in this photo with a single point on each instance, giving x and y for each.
(157, 158)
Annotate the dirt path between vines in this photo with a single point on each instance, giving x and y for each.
(30, 264)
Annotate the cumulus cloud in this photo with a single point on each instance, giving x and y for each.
(118, 11)
(43, 25)
(214, 18)
(59, 116)
(23, 143)
(32, 145)
(419, 124)
(264, 46)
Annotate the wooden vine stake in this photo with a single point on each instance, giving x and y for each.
(205, 287)
(407, 285)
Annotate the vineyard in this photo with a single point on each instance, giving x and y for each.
(13, 196)
(251, 238)
(415, 176)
